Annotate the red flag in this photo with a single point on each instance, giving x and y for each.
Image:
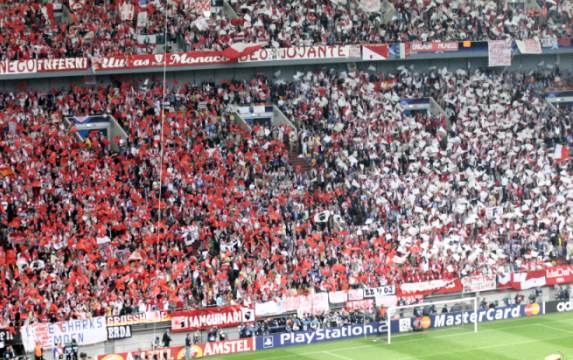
(238, 50)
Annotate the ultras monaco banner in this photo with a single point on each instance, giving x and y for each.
(178, 352)
(33, 66)
(304, 53)
(202, 319)
(121, 62)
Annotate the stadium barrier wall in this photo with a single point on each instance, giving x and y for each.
(211, 60)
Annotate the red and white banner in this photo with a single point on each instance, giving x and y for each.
(304, 53)
(424, 288)
(360, 305)
(239, 50)
(561, 153)
(178, 352)
(121, 62)
(221, 317)
(307, 304)
(375, 52)
(42, 65)
(479, 283)
(528, 280)
(499, 53)
(199, 5)
(529, 46)
(433, 47)
(559, 275)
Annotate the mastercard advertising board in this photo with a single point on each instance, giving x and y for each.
(196, 351)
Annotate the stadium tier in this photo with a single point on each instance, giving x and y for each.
(77, 28)
(211, 177)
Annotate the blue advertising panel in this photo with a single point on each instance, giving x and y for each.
(320, 335)
(465, 317)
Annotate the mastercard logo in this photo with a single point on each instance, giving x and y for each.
(196, 352)
(181, 354)
(112, 357)
(426, 322)
(532, 309)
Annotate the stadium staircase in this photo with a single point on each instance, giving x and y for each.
(298, 162)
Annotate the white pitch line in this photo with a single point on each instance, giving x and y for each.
(555, 328)
(336, 355)
(473, 349)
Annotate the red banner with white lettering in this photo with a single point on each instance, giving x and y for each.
(34, 66)
(178, 352)
(360, 305)
(121, 62)
(559, 275)
(202, 319)
(440, 286)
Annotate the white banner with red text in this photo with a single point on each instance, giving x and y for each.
(34, 66)
(478, 283)
(85, 332)
(221, 317)
(499, 53)
(304, 53)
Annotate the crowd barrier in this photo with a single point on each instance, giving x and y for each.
(497, 51)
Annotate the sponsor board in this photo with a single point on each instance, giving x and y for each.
(196, 351)
(118, 332)
(85, 332)
(227, 316)
(467, 317)
(558, 306)
(148, 317)
(320, 335)
(303, 53)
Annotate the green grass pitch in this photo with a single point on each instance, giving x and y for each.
(519, 339)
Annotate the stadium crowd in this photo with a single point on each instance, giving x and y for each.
(66, 28)
(390, 197)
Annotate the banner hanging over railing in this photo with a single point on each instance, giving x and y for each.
(202, 319)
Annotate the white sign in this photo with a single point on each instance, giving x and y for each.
(304, 53)
(85, 332)
(379, 291)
